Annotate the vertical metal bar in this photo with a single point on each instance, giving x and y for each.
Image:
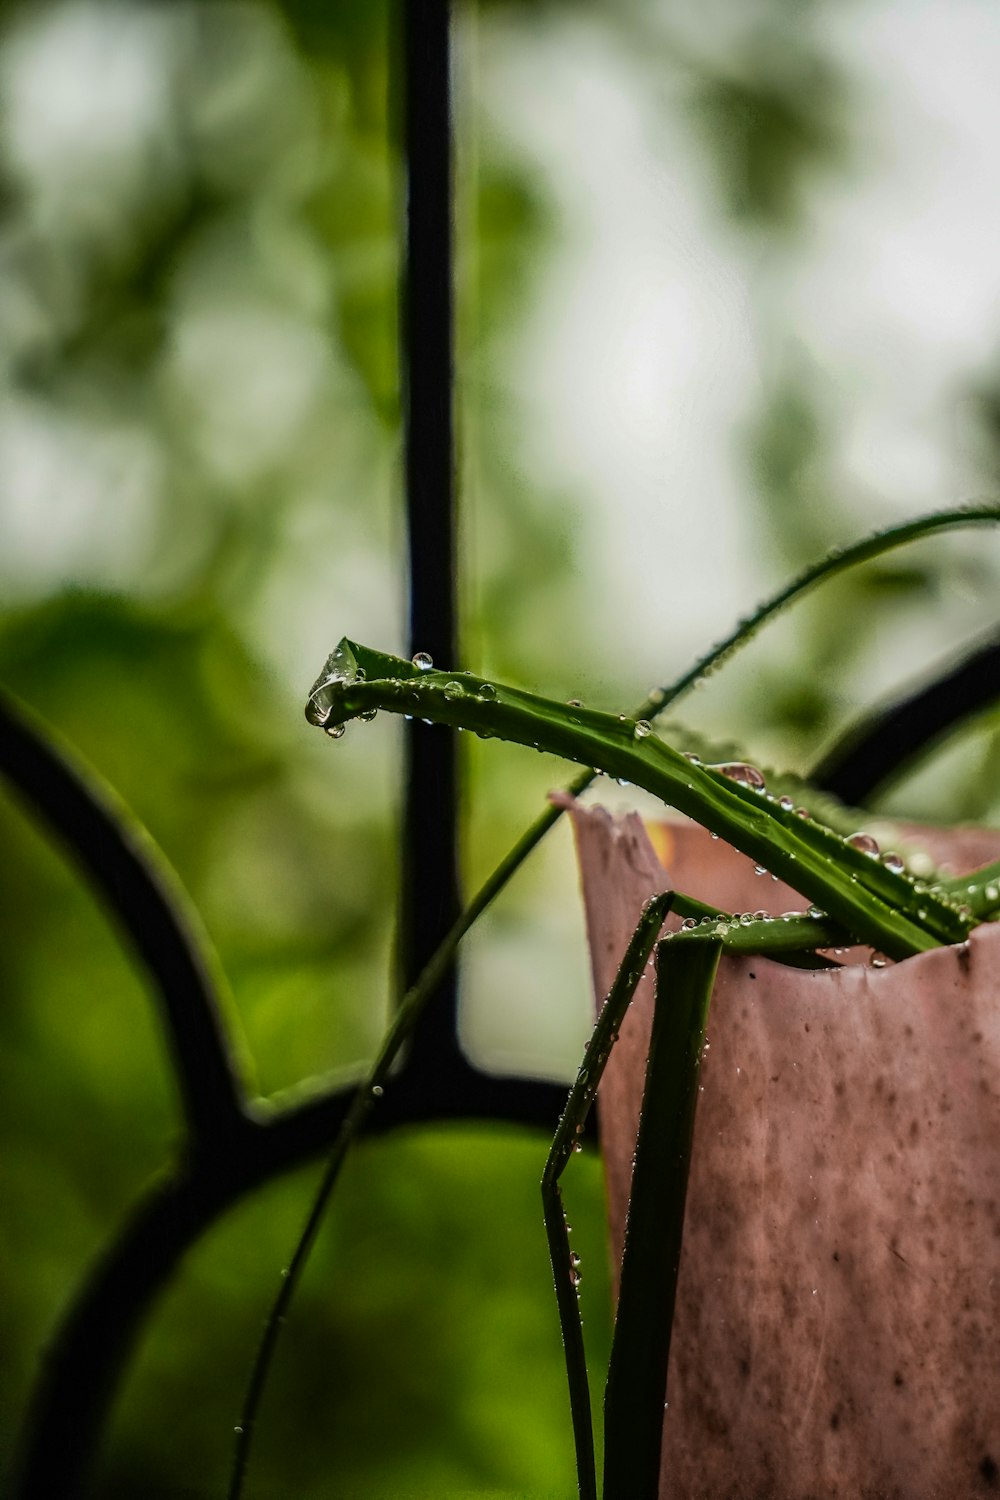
(430, 898)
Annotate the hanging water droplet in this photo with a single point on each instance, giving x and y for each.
(893, 862)
(337, 731)
(339, 670)
(487, 691)
(864, 843)
(739, 770)
(453, 690)
(642, 728)
(786, 803)
(369, 714)
(422, 661)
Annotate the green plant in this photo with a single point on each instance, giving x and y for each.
(858, 896)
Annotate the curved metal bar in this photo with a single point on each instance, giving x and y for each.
(82, 1371)
(109, 848)
(880, 744)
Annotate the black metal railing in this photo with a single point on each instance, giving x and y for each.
(232, 1146)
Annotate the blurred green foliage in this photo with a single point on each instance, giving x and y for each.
(199, 411)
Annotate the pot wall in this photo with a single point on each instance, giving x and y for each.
(837, 1330)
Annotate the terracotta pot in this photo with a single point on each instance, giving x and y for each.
(837, 1330)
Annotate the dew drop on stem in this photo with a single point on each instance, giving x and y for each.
(453, 690)
(642, 729)
(741, 772)
(423, 661)
(864, 843)
(339, 670)
(893, 862)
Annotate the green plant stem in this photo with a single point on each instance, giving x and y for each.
(640, 1351)
(578, 1106)
(867, 898)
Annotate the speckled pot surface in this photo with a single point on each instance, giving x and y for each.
(837, 1330)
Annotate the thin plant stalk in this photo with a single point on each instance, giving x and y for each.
(640, 1352)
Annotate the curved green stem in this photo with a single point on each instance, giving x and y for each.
(873, 902)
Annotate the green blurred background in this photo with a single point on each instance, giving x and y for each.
(729, 292)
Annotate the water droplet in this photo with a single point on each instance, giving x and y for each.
(623, 718)
(965, 912)
(992, 893)
(377, 1091)
(487, 691)
(816, 913)
(577, 1146)
(642, 728)
(864, 843)
(761, 916)
(893, 862)
(802, 812)
(921, 914)
(422, 661)
(454, 690)
(879, 961)
(574, 702)
(746, 919)
(739, 770)
(238, 1431)
(759, 870)
(369, 714)
(337, 731)
(786, 803)
(695, 760)
(656, 696)
(715, 835)
(339, 669)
